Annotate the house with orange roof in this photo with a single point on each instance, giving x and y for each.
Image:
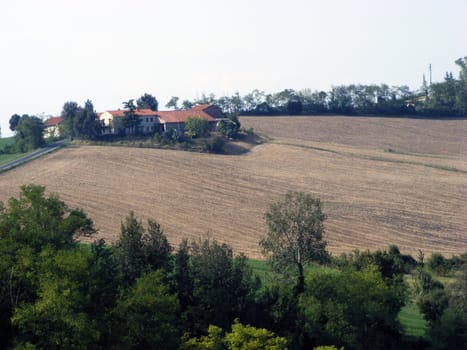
(51, 127)
(151, 121)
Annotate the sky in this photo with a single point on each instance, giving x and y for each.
(109, 51)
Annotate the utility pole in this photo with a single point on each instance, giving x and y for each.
(430, 74)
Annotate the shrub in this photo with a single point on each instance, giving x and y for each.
(197, 127)
(215, 145)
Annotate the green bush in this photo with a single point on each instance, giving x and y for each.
(215, 145)
(197, 127)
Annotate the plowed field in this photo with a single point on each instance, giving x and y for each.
(382, 181)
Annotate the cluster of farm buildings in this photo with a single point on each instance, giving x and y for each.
(150, 121)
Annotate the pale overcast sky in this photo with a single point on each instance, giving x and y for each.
(53, 51)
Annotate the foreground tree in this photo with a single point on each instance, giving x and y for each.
(139, 250)
(222, 286)
(241, 337)
(145, 318)
(354, 309)
(58, 319)
(295, 234)
(29, 226)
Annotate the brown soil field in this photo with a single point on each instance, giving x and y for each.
(413, 196)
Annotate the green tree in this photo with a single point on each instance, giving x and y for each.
(69, 111)
(431, 297)
(86, 124)
(29, 134)
(28, 226)
(36, 220)
(182, 277)
(58, 318)
(250, 338)
(173, 103)
(212, 341)
(130, 120)
(197, 127)
(147, 101)
(145, 318)
(186, 104)
(138, 251)
(340, 100)
(240, 337)
(295, 234)
(449, 330)
(14, 121)
(222, 286)
(461, 96)
(229, 127)
(354, 309)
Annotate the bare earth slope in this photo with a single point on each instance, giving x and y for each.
(413, 197)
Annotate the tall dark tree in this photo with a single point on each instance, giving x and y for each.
(182, 277)
(69, 112)
(138, 250)
(86, 125)
(145, 317)
(130, 120)
(222, 285)
(147, 101)
(186, 104)
(14, 121)
(29, 133)
(461, 96)
(173, 103)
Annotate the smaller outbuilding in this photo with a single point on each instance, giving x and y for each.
(52, 127)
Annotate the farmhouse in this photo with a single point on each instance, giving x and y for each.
(51, 127)
(151, 121)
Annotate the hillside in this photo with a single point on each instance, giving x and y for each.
(413, 196)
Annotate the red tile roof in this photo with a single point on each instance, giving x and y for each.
(138, 112)
(205, 111)
(53, 121)
(181, 116)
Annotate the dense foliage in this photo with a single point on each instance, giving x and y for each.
(197, 127)
(80, 122)
(136, 294)
(28, 134)
(442, 99)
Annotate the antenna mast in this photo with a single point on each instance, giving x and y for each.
(430, 74)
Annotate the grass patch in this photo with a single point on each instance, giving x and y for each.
(5, 158)
(412, 321)
(260, 268)
(6, 141)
